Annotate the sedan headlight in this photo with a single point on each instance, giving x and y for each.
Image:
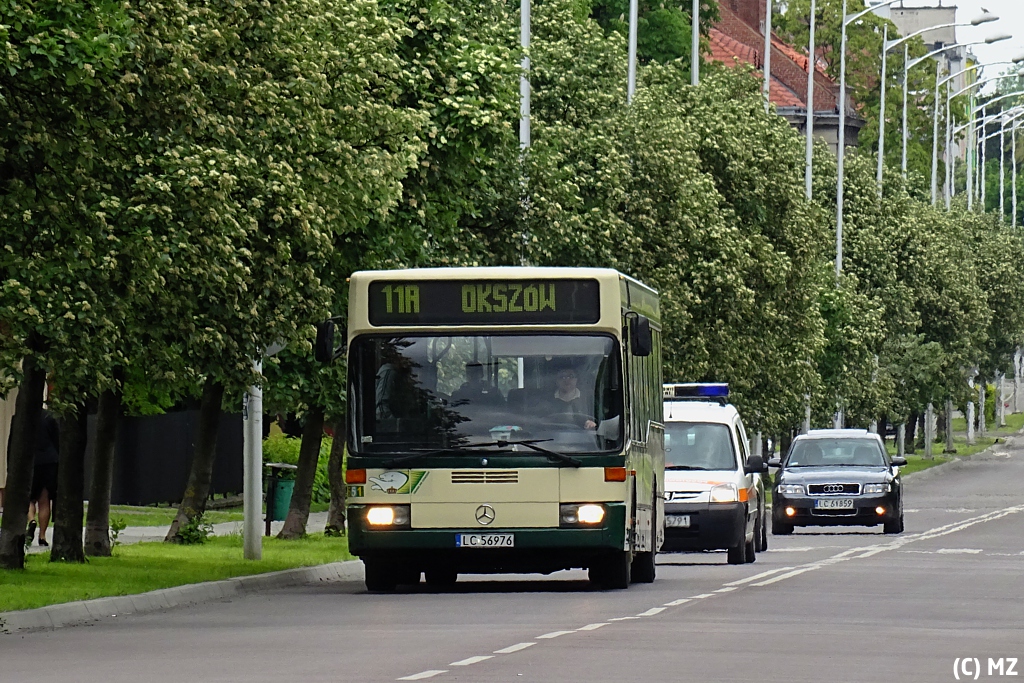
(875, 489)
(791, 489)
(724, 493)
(388, 515)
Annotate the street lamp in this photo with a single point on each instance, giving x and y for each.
(888, 45)
(980, 192)
(1009, 116)
(847, 20)
(950, 96)
(695, 45)
(907, 66)
(767, 56)
(631, 77)
(809, 128)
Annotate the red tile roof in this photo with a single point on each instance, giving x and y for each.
(731, 52)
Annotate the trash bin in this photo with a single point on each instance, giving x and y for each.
(279, 492)
(281, 498)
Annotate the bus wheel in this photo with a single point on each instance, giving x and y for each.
(612, 572)
(644, 568)
(379, 577)
(441, 577)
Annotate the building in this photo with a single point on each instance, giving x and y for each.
(738, 39)
(941, 20)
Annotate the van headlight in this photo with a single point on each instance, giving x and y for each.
(387, 515)
(791, 489)
(875, 489)
(724, 493)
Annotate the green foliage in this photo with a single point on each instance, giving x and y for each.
(285, 449)
(195, 531)
(117, 525)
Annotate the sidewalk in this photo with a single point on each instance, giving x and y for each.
(137, 534)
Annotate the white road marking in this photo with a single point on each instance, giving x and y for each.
(592, 627)
(957, 510)
(471, 660)
(676, 603)
(513, 648)
(959, 551)
(783, 577)
(726, 589)
(651, 612)
(791, 550)
(423, 674)
(755, 577)
(907, 510)
(701, 596)
(554, 634)
(622, 618)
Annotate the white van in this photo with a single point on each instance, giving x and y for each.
(714, 495)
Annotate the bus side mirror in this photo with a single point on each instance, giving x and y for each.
(640, 338)
(323, 349)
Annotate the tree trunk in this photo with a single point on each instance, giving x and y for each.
(21, 457)
(97, 519)
(69, 506)
(336, 513)
(785, 442)
(911, 434)
(950, 446)
(193, 502)
(309, 456)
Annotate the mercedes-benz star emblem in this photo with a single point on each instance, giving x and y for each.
(485, 514)
(832, 488)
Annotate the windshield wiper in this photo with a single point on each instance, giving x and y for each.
(685, 467)
(468, 448)
(423, 453)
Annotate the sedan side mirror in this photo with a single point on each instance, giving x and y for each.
(899, 461)
(775, 462)
(755, 465)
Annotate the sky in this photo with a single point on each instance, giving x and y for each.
(1011, 20)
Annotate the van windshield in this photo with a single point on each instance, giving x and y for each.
(698, 446)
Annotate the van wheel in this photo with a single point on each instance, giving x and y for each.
(738, 553)
(764, 533)
(750, 550)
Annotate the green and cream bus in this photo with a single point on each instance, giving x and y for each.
(504, 420)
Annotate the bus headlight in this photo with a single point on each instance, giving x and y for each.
(724, 493)
(574, 514)
(388, 515)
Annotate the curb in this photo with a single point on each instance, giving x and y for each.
(87, 611)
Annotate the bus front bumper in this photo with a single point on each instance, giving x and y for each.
(535, 549)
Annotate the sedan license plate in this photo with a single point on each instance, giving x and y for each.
(834, 503)
(678, 521)
(485, 540)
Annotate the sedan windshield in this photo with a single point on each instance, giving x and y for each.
(855, 452)
(448, 393)
(698, 446)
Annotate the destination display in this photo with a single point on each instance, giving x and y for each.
(490, 302)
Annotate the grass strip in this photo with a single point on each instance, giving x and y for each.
(143, 567)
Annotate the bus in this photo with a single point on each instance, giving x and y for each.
(504, 420)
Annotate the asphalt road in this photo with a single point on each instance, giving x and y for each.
(818, 606)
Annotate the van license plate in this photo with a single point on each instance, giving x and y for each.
(485, 540)
(678, 521)
(834, 503)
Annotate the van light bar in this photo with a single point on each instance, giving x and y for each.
(697, 389)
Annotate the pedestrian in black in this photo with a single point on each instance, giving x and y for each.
(44, 478)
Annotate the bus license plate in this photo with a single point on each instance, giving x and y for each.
(485, 540)
(680, 521)
(834, 503)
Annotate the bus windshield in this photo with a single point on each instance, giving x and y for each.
(412, 392)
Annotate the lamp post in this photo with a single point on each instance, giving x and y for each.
(767, 56)
(841, 165)
(984, 138)
(809, 129)
(631, 78)
(1010, 116)
(907, 66)
(695, 45)
(524, 78)
(888, 45)
(979, 190)
(950, 96)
